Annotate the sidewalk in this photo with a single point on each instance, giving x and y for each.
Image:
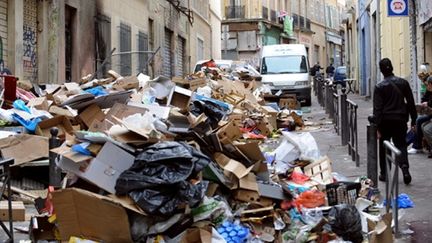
(419, 218)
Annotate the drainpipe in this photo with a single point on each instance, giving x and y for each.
(413, 23)
(378, 34)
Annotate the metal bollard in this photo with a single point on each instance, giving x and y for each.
(54, 171)
(344, 117)
(372, 151)
(328, 98)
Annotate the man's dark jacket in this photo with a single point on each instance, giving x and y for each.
(390, 105)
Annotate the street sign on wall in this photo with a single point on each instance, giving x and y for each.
(397, 8)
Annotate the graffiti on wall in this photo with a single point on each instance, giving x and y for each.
(30, 55)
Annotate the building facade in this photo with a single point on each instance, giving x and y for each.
(56, 41)
(378, 36)
(252, 24)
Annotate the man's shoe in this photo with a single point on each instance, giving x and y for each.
(382, 177)
(415, 151)
(406, 176)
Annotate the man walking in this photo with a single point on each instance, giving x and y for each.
(393, 102)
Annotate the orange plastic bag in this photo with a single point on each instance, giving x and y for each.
(310, 199)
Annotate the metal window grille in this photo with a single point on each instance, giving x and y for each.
(142, 57)
(125, 46)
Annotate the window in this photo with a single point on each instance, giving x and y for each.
(284, 65)
(200, 49)
(142, 57)
(103, 44)
(125, 46)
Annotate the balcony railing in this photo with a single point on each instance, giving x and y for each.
(300, 22)
(265, 12)
(273, 16)
(235, 12)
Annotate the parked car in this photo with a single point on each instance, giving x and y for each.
(340, 76)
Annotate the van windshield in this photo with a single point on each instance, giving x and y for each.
(284, 64)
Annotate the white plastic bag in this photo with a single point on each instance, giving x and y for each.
(305, 143)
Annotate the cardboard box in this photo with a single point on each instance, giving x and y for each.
(231, 165)
(197, 235)
(228, 133)
(381, 231)
(35, 147)
(61, 122)
(271, 115)
(252, 197)
(180, 97)
(126, 83)
(91, 216)
(103, 170)
(18, 211)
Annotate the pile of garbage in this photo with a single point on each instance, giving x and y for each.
(201, 158)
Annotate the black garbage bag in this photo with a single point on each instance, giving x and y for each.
(345, 221)
(157, 181)
(214, 112)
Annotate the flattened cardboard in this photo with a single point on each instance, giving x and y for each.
(105, 169)
(126, 83)
(71, 155)
(90, 114)
(249, 183)
(36, 147)
(61, 122)
(231, 165)
(91, 216)
(119, 111)
(55, 110)
(104, 101)
(39, 103)
(18, 211)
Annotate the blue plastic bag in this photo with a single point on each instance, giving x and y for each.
(82, 148)
(20, 105)
(29, 125)
(403, 201)
(97, 91)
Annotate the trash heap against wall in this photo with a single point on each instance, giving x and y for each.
(201, 158)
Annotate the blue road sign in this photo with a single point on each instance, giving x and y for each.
(397, 8)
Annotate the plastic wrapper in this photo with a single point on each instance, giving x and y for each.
(158, 179)
(213, 210)
(345, 221)
(311, 216)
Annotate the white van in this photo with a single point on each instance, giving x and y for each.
(285, 69)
